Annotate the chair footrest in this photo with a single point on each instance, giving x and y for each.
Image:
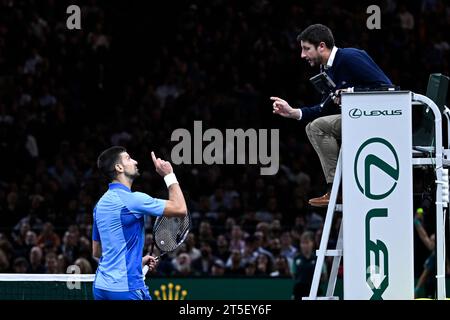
(321, 298)
(330, 253)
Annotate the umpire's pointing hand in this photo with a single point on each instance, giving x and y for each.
(282, 108)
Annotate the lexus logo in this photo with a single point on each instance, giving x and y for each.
(355, 113)
(376, 153)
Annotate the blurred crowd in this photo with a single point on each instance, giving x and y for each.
(135, 72)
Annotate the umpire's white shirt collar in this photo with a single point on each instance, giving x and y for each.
(331, 57)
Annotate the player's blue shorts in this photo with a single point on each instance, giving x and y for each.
(141, 294)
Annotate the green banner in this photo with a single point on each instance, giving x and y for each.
(170, 288)
(160, 289)
(220, 288)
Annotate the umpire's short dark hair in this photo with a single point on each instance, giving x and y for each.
(317, 33)
(107, 161)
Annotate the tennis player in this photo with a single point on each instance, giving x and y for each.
(118, 225)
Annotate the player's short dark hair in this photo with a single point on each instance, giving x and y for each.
(107, 161)
(317, 33)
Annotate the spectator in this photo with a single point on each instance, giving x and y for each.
(260, 239)
(32, 218)
(236, 240)
(183, 266)
(51, 264)
(287, 249)
(20, 265)
(426, 281)
(263, 265)
(282, 269)
(36, 265)
(304, 264)
(30, 240)
(193, 252)
(250, 253)
(12, 210)
(250, 269)
(19, 242)
(275, 247)
(70, 246)
(202, 265)
(4, 262)
(63, 263)
(205, 233)
(234, 264)
(48, 239)
(222, 252)
(84, 265)
(218, 268)
(7, 248)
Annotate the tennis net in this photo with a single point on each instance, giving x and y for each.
(46, 286)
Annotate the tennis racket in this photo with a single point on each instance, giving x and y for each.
(168, 234)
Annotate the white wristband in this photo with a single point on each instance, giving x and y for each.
(170, 179)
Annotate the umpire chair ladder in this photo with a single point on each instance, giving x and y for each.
(437, 156)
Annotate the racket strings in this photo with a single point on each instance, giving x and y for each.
(169, 233)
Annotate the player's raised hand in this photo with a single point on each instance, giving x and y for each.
(162, 167)
(282, 108)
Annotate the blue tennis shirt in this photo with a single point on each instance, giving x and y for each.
(119, 227)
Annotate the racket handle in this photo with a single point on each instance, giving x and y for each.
(145, 270)
(146, 267)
